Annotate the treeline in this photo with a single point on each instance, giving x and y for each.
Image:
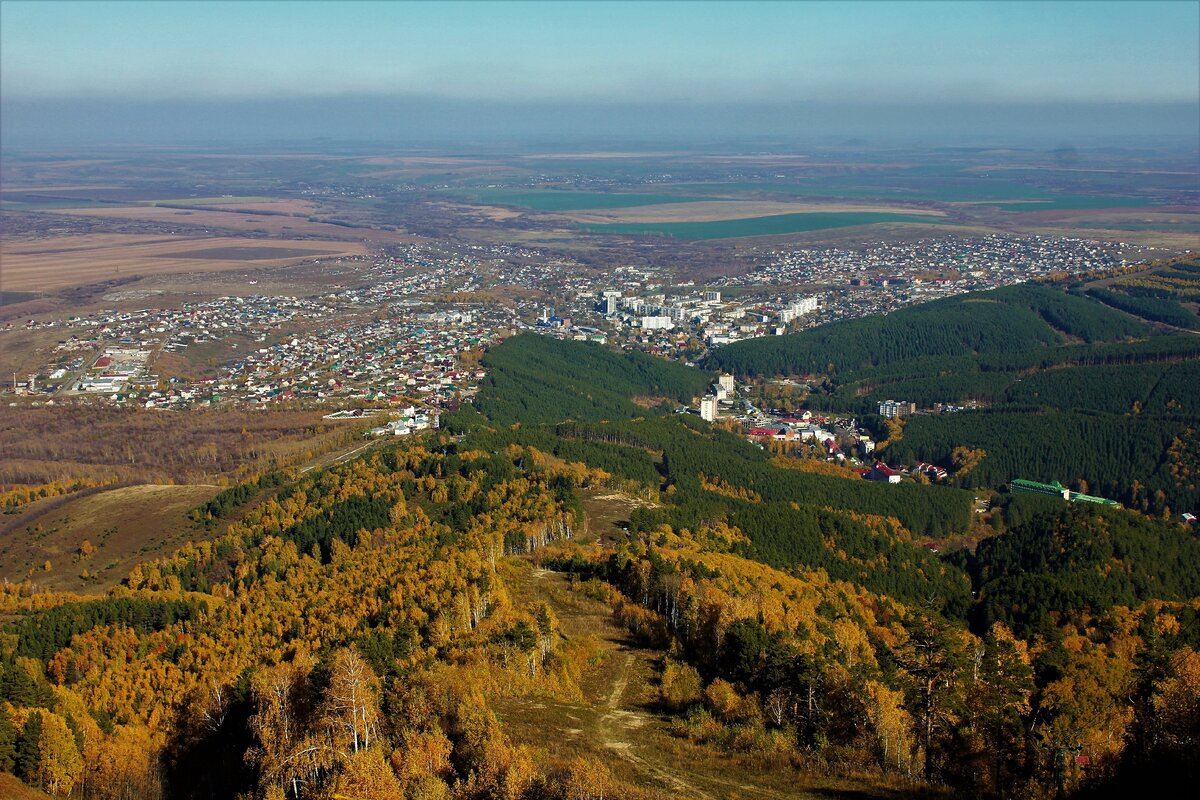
(43, 634)
(235, 497)
(14, 497)
(632, 461)
(1010, 320)
(1155, 309)
(1179, 282)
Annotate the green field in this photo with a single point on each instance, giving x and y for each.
(1172, 227)
(1074, 202)
(554, 200)
(1006, 195)
(774, 225)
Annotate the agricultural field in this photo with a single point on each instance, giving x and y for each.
(552, 200)
(776, 225)
(1004, 194)
(233, 220)
(718, 210)
(58, 262)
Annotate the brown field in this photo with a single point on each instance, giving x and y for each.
(449, 161)
(24, 351)
(245, 253)
(230, 219)
(305, 207)
(1180, 242)
(126, 526)
(39, 188)
(712, 210)
(42, 444)
(75, 260)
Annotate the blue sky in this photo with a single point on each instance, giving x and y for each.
(605, 52)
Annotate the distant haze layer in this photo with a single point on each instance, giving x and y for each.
(113, 72)
(416, 120)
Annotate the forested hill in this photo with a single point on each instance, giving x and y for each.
(536, 379)
(1079, 558)
(794, 520)
(399, 626)
(1098, 395)
(1009, 320)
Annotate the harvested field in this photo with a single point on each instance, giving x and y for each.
(552, 200)
(213, 201)
(302, 207)
(233, 220)
(246, 253)
(75, 260)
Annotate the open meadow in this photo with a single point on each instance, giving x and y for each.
(92, 538)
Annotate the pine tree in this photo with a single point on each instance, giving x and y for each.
(8, 744)
(28, 748)
(933, 659)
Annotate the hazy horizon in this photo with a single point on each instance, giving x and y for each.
(113, 73)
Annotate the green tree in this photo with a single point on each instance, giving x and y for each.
(932, 659)
(28, 747)
(999, 698)
(8, 744)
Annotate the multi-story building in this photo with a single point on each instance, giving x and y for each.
(896, 408)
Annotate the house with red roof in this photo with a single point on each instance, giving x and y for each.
(882, 472)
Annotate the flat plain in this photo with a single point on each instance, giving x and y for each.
(774, 225)
(718, 210)
(234, 221)
(58, 262)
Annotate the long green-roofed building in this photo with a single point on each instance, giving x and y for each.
(1056, 488)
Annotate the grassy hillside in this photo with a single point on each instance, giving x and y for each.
(92, 539)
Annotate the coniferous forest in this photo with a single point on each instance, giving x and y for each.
(1058, 386)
